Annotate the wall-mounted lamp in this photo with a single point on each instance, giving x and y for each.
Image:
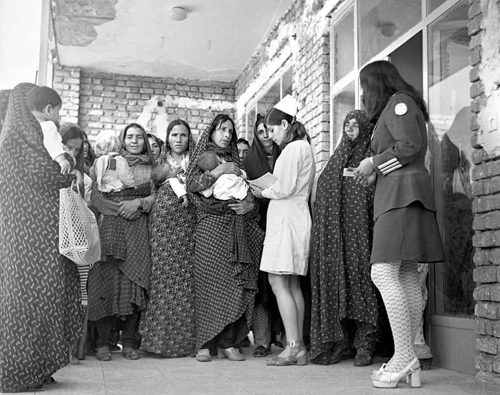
(178, 13)
(387, 29)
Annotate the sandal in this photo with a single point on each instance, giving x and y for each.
(103, 354)
(130, 353)
(261, 351)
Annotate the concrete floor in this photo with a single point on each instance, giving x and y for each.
(155, 375)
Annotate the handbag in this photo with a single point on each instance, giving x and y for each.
(78, 231)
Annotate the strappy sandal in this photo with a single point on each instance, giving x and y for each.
(261, 351)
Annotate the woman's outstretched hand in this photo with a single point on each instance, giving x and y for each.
(256, 191)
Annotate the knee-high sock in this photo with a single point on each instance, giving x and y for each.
(386, 276)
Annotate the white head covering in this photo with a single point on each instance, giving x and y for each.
(288, 105)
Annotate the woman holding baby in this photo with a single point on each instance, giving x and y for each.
(228, 244)
(118, 284)
(167, 326)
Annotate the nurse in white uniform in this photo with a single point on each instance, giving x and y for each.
(286, 247)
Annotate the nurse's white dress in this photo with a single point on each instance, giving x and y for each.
(286, 246)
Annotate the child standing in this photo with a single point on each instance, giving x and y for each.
(45, 103)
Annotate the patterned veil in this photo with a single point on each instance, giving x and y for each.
(341, 243)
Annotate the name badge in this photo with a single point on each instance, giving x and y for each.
(349, 172)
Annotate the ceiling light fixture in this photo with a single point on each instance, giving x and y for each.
(178, 13)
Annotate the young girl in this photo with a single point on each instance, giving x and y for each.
(286, 247)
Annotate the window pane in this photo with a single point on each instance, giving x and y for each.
(433, 4)
(343, 46)
(251, 118)
(287, 81)
(382, 21)
(343, 102)
(271, 97)
(449, 107)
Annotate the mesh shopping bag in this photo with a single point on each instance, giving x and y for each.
(78, 232)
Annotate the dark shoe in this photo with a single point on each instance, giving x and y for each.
(103, 354)
(342, 353)
(130, 353)
(362, 358)
(323, 358)
(277, 343)
(261, 351)
(114, 347)
(49, 380)
(245, 342)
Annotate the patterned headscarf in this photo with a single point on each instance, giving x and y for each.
(146, 157)
(205, 143)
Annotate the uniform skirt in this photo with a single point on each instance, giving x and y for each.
(407, 234)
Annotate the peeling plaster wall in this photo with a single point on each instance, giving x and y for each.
(300, 40)
(98, 101)
(75, 20)
(484, 29)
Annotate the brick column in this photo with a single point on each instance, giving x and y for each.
(67, 84)
(486, 205)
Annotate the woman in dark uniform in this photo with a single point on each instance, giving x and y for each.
(405, 229)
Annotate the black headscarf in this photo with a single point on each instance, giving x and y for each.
(256, 163)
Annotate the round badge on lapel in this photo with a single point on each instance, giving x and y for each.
(400, 109)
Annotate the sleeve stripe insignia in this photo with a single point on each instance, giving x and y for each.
(389, 166)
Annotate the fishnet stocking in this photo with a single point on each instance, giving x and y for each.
(387, 278)
(408, 275)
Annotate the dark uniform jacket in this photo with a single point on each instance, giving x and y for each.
(399, 145)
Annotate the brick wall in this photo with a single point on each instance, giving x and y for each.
(486, 205)
(300, 40)
(98, 101)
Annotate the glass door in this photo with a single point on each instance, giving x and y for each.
(452, 287)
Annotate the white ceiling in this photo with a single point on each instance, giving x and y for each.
(138, 37)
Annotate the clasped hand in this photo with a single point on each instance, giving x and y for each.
(241, 207)
(130, 209)
(365, 173)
